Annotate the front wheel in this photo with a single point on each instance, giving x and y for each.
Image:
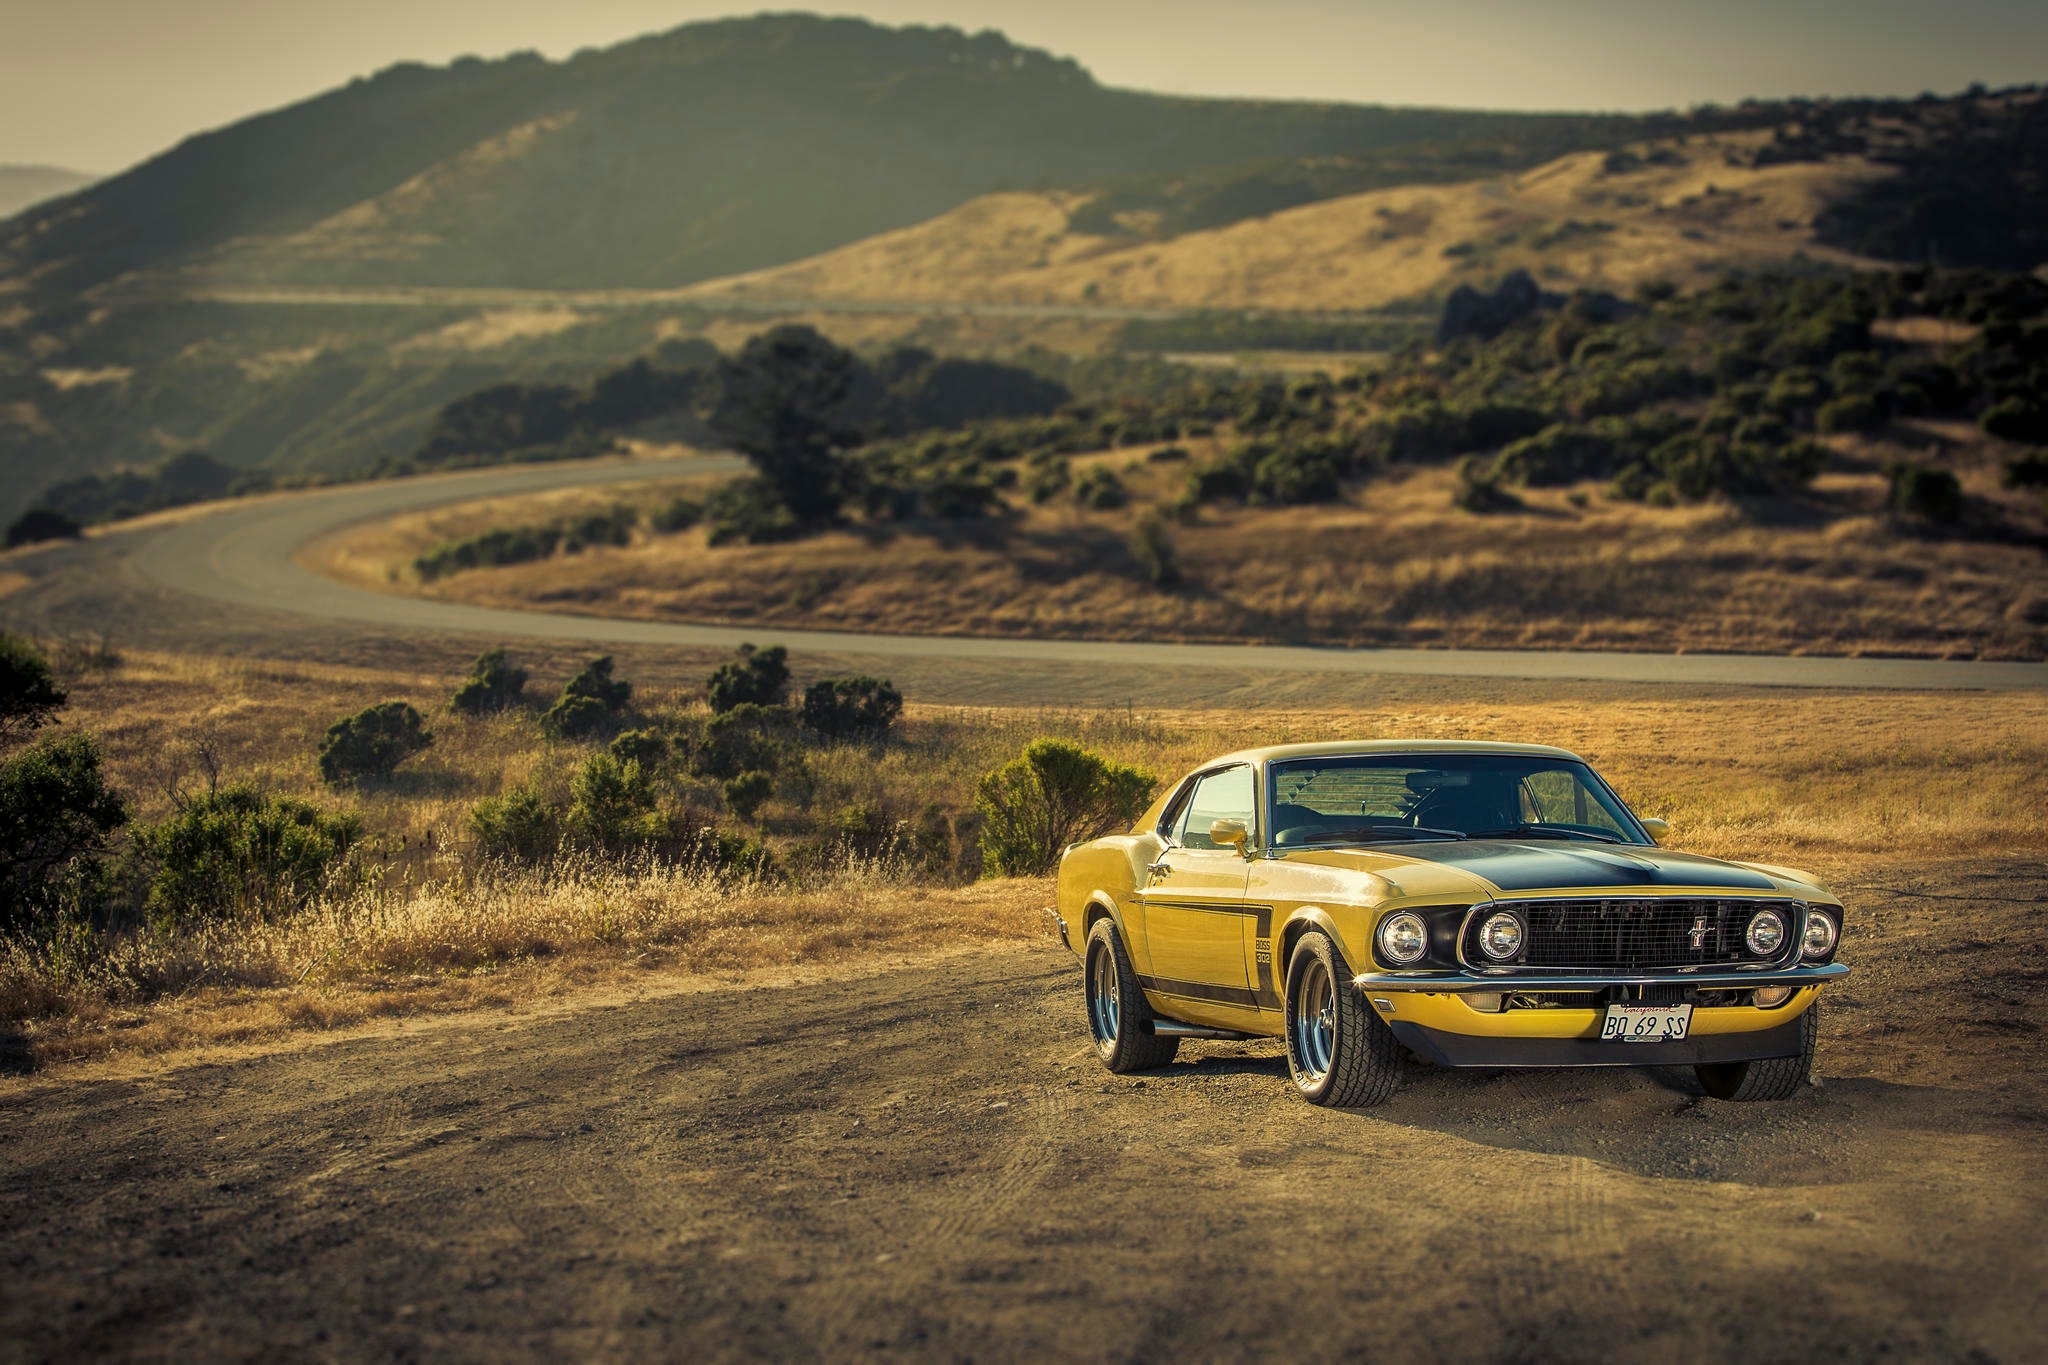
(1339, 1052)
(1774, 1078)
(1117, 1012)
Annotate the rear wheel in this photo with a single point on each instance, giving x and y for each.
(1774, 1078)
(1117, 1013)
(1339, 1052)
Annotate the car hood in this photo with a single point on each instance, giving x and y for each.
(1512, 866)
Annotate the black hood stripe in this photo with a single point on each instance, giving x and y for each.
(1515, 866)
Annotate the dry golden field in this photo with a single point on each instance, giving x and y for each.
(1394, 564)
(1847, 784)
(1688, 208)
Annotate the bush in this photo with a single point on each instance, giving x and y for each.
(747, 792)
(1478, 488)
(756, 677)
(597, 683)
(1557, 455)
(1152, 546)
(241, 852)
(2027, 471)
(1099, 490)
(56, 814)
(646, 747)
(490, 549)
(372, 743)
(2016, 419)
(576, 718)
(677, 514)
(1857, 412)
(1046, 479)
(748, 738)
(516, 827)
(748, 511)
(493, 684)
(30, 695)
(42, 523)
(852, 708)
(1049, 796)
(611, 805)
(1925, 492)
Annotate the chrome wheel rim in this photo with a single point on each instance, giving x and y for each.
(1104, 1011)
(1314, 1026)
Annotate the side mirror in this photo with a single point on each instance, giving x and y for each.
(1231, 833)
(1656, 828)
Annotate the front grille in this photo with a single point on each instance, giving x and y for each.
(1629, 935)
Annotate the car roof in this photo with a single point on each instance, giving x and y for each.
(1341, 747)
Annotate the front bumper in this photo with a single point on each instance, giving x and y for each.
(1460, 982)
(1445, 1048)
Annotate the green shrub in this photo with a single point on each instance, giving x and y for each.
(372, 743)
(240, 852)
(493, 684)
(756, 677)
(1152, 546)
(56, 815)
(1925, 492)
(746, 793)
(490, 549)
(677, 514)
(854, 707)
(2016, 419)
(516, 827)
(39, 524)
(1046, 479)
(30, 695)
(748, 511)
(747, 738)
(1478, 488)
(597, 683)
(2027, 471)
(1100, 490)
(1856, 412)
(611, 805)
(1795, 390)
(1049, 796)
(648, 748)
(576, 718)
(1557, 455)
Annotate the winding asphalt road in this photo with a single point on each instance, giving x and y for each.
(242, 554)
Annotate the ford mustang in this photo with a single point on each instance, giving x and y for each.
(1477, 905)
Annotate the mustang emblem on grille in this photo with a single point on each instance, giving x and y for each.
(1699, 933)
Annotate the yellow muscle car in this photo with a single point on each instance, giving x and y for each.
(1479, 905)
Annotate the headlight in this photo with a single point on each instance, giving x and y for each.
(1766, 933)
(1501, 935)
(1404, 938)
(1820, 934)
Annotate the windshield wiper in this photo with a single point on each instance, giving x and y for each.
(1543, 832)
(1373, 834)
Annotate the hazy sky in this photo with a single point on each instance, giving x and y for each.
(100, 84)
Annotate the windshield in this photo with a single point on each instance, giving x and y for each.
(1397, 797)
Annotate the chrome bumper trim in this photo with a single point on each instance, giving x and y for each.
(1509, 979)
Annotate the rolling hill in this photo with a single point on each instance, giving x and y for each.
(24, 186)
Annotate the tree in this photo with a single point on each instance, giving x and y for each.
(759, 677)
(1049, 796)
(42, 523)
(30, 695)
(597, 683)
(851, 707)
(493, 684)
(783, 403)
(56, 815)
(239, 851)
(372, 743)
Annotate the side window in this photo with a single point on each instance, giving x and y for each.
(1176, 812)
(1219, 796)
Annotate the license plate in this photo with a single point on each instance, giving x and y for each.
(1645, 1023)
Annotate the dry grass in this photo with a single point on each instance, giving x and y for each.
(1395, 564)
(1570, 221)
(1834, 782)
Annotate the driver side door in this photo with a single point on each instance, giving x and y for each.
(1194, 896)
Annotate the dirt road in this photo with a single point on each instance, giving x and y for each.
(927, 1162)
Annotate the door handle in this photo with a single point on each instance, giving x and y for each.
(1158, 869)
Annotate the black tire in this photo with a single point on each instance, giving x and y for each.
(1118, 1017)
(1774, 1078)
(1339, 1052)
